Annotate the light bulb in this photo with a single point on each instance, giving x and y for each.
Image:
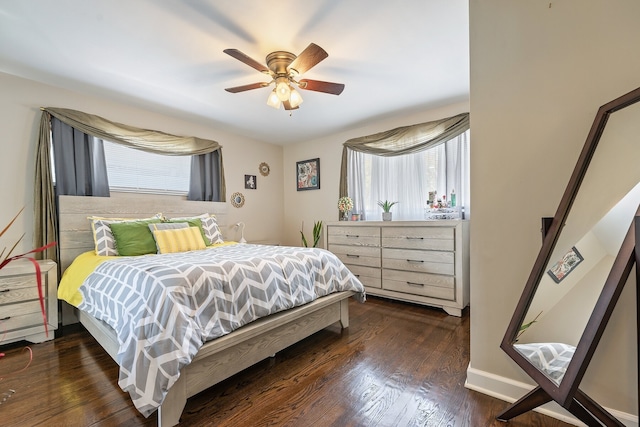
(273, 100)
(283, 89)
(295, 99)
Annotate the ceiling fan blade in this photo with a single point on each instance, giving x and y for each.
(287, 106)
(237, 89)
(309, 57)
(320, 86)
(247, 60)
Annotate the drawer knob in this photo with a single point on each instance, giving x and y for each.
(355, 236)
(5, 290)
(353, 256)
(415, 238)
(415, 260)
(421, 285)
(5, 318)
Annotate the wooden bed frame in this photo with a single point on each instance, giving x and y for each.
(218, 359)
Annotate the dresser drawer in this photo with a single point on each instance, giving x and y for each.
(421, 279)
(357, 255)
(371, 282)
(420, 261)
(369, 276)
(418, 288)
(429, 238)
(358, 236)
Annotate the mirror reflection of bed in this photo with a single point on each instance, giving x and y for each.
(585, 261)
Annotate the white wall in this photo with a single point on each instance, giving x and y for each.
(19, 120)
(539, 72)
(314, 205)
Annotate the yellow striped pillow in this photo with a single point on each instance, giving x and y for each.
(179, 240)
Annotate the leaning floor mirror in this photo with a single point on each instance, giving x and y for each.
(586, 257)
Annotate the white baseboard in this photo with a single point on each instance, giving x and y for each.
(510, 390)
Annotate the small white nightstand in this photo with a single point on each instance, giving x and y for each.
(20, 314)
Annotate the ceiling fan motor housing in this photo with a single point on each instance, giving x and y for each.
(278, 62)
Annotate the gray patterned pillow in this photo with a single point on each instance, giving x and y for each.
(209, 226)
(105, 244)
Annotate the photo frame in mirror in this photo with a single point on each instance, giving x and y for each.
(595, 217)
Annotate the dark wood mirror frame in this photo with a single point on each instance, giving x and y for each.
(567, 394)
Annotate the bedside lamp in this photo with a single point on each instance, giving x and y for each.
(240, 225)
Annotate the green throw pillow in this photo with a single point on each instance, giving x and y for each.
(134, 238)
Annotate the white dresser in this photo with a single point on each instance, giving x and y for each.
(424, 262)
(20, 312)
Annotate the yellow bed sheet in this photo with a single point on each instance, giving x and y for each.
(81, 267)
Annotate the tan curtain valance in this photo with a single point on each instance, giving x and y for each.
(143, 139)
(404, 140)
(411, 139)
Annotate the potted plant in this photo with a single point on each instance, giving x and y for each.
(317, 232)
(386, 209)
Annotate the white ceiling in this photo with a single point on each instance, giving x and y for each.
(162, 55)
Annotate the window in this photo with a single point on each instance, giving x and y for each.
(408, 179)
(134, 170)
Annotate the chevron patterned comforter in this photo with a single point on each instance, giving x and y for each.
(164, 307)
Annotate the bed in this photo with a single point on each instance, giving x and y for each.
(224, 356)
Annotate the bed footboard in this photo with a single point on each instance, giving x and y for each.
(223, 357)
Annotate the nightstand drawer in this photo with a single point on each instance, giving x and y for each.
(10, 295)
(11, 282)
(20, 316)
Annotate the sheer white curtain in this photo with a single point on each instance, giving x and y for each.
(407, 179)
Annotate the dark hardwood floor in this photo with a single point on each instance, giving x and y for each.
(397, 365)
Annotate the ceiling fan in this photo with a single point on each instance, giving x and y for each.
(284, 68)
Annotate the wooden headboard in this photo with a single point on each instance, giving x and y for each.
(76, 236)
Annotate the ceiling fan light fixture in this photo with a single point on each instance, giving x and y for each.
(295, 99)
(283, 89)
(273, 100)
(284, 68)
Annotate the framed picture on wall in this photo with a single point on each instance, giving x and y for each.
(308, 174)
(250, 182)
